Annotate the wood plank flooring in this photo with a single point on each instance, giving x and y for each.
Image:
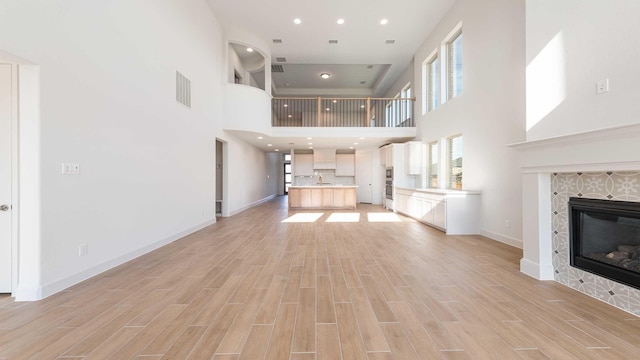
(260, 285)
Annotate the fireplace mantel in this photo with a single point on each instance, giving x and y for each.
(611, 149)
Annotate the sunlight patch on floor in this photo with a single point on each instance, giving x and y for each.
(303, 218)
(383, 217)
(344, 217)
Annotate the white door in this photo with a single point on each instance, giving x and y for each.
(364, 177)
(5, 177)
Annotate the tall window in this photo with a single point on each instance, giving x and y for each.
(287, 173)
(454, 157)
(432, 165)
(407, 105)
(433, 83)
(454, 51)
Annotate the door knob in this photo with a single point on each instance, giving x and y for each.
(4, 207)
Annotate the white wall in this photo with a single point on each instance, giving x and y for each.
(407, 77)
(107, 102)
(572, 44)
(490, 110)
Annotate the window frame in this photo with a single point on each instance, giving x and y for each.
(450, 168)
(430, 165)
(429, 103)
(447, 49)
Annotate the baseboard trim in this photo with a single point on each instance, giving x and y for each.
(255, 203)
(39, 293)
(501, 238)
(535, 270)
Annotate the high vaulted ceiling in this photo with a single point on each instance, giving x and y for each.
(361, 40)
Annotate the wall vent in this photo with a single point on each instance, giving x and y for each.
(390, 42)
(333, 41)
(277, 68)
(281, 59)
(183, 90)
(369, 66)
(277, 41)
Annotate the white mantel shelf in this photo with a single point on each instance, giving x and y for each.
(611, 149)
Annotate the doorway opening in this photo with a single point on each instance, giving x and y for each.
(219, 176)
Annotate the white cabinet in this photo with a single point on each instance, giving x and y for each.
(386, 155)
(413, 152)
(303, 165)
(345, 165)
(455, 212)
(324, 159)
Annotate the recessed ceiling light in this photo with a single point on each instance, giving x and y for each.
(328, 109)
(350, 147)
(384, 22)
(340, 21)
(362, 106)
(289, 115)
(325, 75)
(260, 138)
(355, 143)
(309, 138)
(249, 49)
(362, 138)
(310, 147)
(277, 149)
(297, 21)
(310, 144)
(335, 101)
(269, 145)
(285, 105)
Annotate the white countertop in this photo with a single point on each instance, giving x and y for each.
(322, 186)
(443, 191)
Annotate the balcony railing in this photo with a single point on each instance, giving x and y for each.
(341, 112)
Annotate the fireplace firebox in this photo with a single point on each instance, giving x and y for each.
(605, 238)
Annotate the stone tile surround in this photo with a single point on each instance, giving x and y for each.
(619, 185)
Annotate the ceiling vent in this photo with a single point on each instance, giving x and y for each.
(281, 59)
(277, 68)
(390, 42)
(363, 82)
(369, 66)
(277, 41)
(333, 41)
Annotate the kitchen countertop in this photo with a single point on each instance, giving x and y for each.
(321, 186)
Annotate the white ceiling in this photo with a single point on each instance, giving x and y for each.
(361, 39)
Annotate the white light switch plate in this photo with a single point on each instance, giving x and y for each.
(70, 169)
(602, 86)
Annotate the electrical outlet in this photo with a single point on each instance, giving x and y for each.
(507, 224)
(602, 86)
(70, 169)
(83, 249)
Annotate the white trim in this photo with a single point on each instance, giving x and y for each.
(41, 292)
(15, 178)
(535, 270)
(502, 238)
(616, 132)
(592, 167)
(255, 203)
(457, 31)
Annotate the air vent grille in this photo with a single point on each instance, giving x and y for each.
(333, 41)
(277, 41)
(183, 90)
(369, 66)
(281, 59)
(277, 68)
(390, 42)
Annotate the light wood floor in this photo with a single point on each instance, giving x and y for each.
(253, 287)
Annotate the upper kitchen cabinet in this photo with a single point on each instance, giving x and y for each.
(324, 159)
(413, 153)
(345, 165)
(303, 165)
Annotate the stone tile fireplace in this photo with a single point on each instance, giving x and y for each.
(603, 165)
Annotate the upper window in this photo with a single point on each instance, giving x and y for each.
(432, 165)
(454, 73)
(433, 83)
(454, 157)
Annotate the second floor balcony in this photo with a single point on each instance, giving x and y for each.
(342, 112)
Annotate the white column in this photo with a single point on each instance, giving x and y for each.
(536, 228)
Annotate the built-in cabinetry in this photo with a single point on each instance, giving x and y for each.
(324, 159)
(322, 197)
(413, 152)
(345, 165)
(386, 155)
(456, 212)
(303, 165)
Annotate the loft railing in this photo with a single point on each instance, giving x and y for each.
(341, 112)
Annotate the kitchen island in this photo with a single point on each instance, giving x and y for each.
(322, 197)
